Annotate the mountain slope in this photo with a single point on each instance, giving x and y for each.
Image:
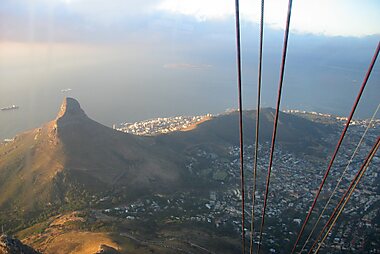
(295, 133)
(41, 166)
(73, 161)
(108, 155)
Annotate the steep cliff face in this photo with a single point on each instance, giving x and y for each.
(9, 245)
(70, 108)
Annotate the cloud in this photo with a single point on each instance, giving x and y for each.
(187, 66)
(322, 17)
(99, 20)
(73, 20)
(109, 12)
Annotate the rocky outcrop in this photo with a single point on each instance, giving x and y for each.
(105, 249)
(71, 108)
(9, 245)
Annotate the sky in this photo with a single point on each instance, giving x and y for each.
(132, 60)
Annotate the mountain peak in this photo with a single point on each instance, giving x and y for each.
(70, 108)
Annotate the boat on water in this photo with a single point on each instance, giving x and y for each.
(12, 107)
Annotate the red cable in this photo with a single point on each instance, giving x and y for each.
(374, 149)
(238, 55)
(284, 51)
(257, 126)
(338, 145)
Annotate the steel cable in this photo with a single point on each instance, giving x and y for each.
(337, 146)
(341, 178)
(238, 60)
(261, 39)
(275, 122)
(346, 196)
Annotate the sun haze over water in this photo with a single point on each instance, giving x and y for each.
(129, 60)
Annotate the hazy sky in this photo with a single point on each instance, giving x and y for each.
(131, 60)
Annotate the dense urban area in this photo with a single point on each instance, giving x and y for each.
(212, 206)
(294, 181)
(163, 125)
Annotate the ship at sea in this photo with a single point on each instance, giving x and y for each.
(12, 107)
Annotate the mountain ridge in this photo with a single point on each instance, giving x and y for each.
(69, 160)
